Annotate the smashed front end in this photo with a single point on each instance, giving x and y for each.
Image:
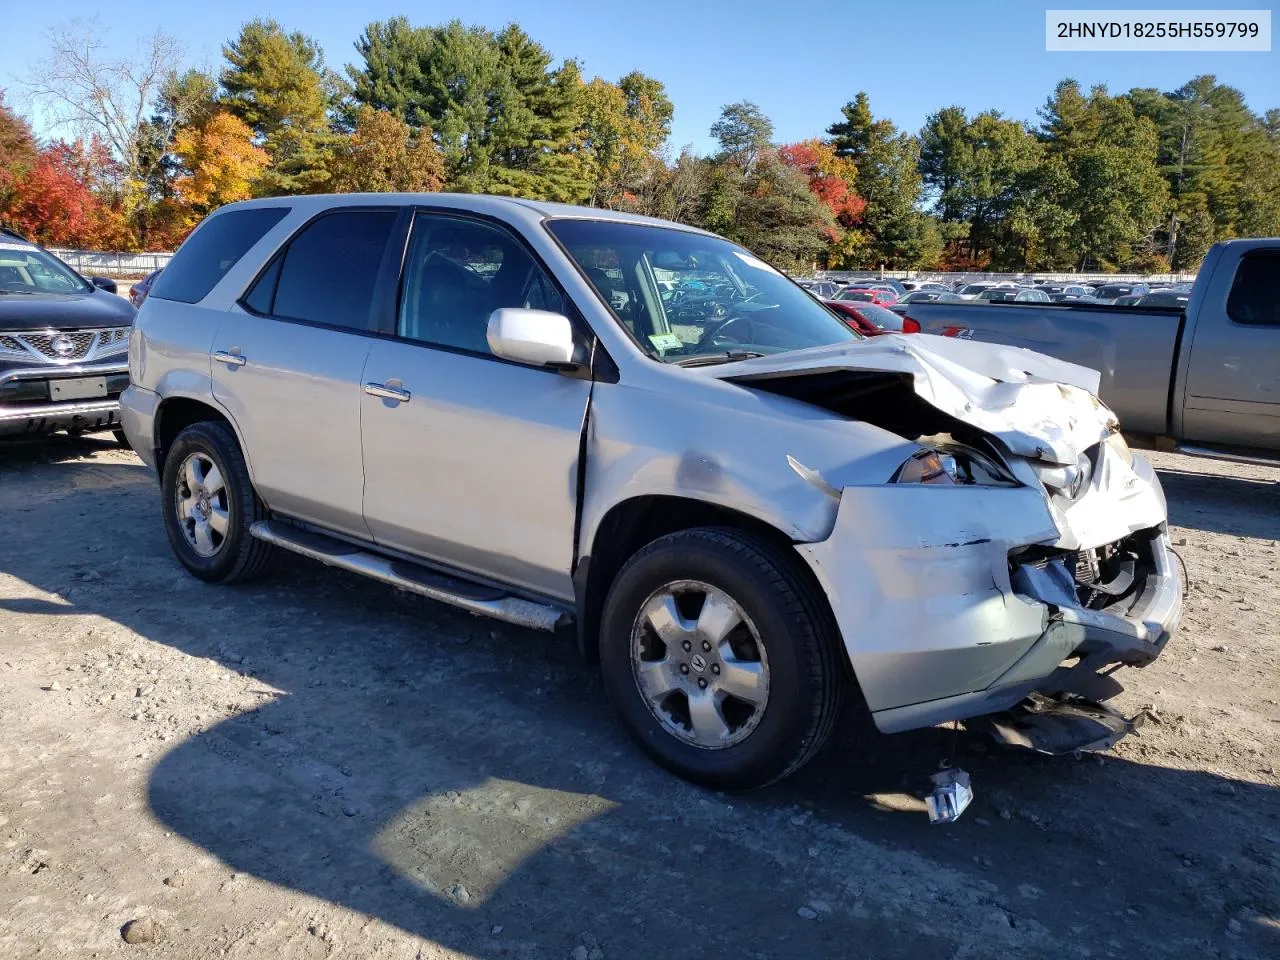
(1009, 567)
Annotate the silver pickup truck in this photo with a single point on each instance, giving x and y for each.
(555, 415)
(1203, 380)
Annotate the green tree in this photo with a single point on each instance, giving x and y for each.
(978, 169)
(623, 129)
(744, 133)
(887, 162)
(1105, 176)
(505, 120)
(276, 82)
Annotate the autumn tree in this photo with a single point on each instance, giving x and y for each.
(220, 163)
(276, 83)
(18, 152)
(54, 204)
(106, 99)
(624, 126)
(384, 154)
(831, 179)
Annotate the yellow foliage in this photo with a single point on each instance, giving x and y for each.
(220, 160)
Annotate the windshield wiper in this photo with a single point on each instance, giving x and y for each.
(707, 359)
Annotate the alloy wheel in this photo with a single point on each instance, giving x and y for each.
(201, 504)
(699, 664)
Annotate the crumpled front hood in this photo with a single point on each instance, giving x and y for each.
(1037, 406)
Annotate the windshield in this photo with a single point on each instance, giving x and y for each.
(975, 288)
(882, 317)
(25, 268)
(683, 295)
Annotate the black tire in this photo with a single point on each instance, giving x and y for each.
(240, 557)
(120, 438)
(806, 681)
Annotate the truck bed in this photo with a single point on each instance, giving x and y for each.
(1142, 342)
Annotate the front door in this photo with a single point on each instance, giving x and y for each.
(470, 460)
(287, 367)
(1233, 379)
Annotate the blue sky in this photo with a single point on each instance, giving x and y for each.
(799, 62)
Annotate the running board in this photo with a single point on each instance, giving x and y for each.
(472, 597)
(1235, 456)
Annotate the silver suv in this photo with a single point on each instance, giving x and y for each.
(555, 415)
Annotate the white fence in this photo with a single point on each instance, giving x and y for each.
(106, 264)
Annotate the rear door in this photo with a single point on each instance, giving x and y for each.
(470, 460)
(287, 363)
(1233, 373)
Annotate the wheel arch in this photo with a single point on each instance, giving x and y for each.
(175, 414)
(631, 524)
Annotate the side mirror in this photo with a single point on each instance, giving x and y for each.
(105, 283)
(538, 338)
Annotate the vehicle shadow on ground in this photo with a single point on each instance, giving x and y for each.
(1217, 504)
(450, 776)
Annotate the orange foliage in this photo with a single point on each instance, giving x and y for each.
(221, 163)
(831, 178)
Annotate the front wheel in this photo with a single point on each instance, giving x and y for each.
(721, 658)
(209, 504)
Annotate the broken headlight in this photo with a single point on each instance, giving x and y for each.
(1069, 480)
(956, 466)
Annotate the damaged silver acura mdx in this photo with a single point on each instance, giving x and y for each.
(556, 415)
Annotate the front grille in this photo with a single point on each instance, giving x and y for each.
(64, 346)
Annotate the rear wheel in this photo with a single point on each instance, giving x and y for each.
(721, 658)
(209, 505)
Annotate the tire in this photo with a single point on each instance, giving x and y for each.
(785, 623)
(236, 556)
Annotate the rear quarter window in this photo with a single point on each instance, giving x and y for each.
(1255, 292)
(215, 247)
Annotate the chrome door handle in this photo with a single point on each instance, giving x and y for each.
(230, 359)
(386, 393)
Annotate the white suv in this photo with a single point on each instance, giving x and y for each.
(556, 415)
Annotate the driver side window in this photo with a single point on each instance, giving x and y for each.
(457, 273)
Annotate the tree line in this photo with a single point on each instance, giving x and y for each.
(1144, 180)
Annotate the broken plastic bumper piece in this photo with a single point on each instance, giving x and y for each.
(1058, 725)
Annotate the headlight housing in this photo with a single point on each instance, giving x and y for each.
(953, 466)
(1120, 447)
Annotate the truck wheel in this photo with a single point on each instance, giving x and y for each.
(209, 504)
(720, 658)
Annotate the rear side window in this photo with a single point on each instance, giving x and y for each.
(215, 247)
(329, 270)
(1255, 292)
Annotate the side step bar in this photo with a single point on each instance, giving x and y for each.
(474, 597)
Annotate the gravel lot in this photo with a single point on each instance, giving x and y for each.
(317, 766)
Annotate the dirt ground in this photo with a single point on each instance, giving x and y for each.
(316, 766)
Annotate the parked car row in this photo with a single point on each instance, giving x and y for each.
(1194, 368)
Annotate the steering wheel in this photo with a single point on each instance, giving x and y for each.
(715, 336)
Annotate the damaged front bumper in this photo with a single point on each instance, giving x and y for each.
(943, 621)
